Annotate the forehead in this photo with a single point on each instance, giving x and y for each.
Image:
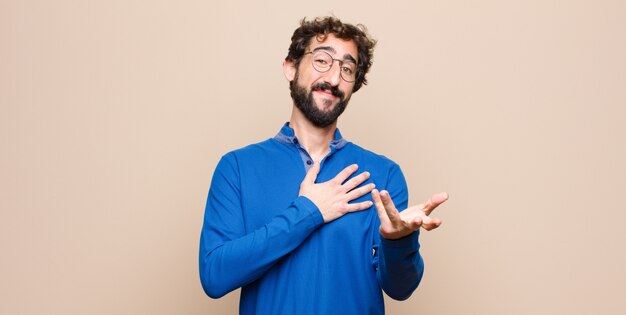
(339, 48)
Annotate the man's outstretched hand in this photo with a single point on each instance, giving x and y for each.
(395, 225)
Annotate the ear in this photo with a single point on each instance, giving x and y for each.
(289, 69)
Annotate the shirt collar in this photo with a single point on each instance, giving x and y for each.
(286, 135)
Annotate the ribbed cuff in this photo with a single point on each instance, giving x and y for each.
(306, 204)
(409, 241)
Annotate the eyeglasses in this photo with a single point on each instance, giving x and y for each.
(322, 62)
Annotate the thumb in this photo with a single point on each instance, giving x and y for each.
(311, 174)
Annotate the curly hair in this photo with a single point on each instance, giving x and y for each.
(319, 28)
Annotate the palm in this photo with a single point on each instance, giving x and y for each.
(394, 224)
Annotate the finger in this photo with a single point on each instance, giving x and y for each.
(361, 191)
(345, 173)
(380, 208)
(356, 181)
(434, 201)
(416, 223)
(352, 207)
(430, 223)
(390, 208)
(311, 175)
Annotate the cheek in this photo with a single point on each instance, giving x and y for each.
(347, 91)
(307, 77)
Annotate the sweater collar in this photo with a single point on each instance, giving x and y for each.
(288, 136)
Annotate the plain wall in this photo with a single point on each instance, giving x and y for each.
(115, 113)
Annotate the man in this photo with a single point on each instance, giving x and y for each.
(291, 222)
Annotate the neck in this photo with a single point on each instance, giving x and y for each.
(314, 139)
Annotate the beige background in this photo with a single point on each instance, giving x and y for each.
(115, 113)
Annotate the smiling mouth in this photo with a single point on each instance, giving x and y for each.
(326, 93)
(327, 90)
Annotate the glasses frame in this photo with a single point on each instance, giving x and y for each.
(341, 62)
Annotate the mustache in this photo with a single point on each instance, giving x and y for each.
(327, 87)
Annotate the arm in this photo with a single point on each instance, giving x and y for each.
(230, 257)
(227, 263)
(400, 266)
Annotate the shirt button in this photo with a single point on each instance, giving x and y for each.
(295, 140)
(309, 162)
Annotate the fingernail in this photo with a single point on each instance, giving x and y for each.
(367, 174)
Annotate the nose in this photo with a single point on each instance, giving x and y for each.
(333, 75)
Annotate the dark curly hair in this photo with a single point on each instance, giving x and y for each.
(320, 28)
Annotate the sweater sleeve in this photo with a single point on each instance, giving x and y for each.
(398, 263)
(229, 256)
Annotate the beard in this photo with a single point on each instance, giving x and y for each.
(303, 99)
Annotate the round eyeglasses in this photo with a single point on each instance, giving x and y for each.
(322, 62)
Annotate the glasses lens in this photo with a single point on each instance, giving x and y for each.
(348, 71)
(322, 61)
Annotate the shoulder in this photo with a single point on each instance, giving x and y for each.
(254, 150)
(369, 156)
(255, 154)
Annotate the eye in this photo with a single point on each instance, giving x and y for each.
(321, 62)
(347, 70)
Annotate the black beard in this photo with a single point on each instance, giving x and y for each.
(305, 102)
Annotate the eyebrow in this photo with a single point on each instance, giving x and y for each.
(346, 57)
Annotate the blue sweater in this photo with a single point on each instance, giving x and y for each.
(258, 234)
